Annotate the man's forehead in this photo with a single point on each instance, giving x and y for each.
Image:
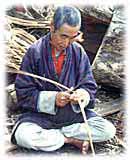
(66, 29)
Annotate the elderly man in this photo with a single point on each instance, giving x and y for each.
(52, 117)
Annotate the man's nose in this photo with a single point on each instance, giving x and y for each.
(67, 41)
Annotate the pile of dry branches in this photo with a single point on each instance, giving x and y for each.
(17, 46)
(23, 34)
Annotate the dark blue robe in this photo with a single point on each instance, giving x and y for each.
(76, 71)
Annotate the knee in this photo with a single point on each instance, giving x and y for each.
(25, 135)
(22, 139)
(109, 131)
(37, 138)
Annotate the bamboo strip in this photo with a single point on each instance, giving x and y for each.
(33, 21)
(21, 32)
(19, 46)
(24, 22)
(39, 77)
(13, 66)
(80, 101)
(21, 41)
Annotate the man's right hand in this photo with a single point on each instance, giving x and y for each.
(62, 98)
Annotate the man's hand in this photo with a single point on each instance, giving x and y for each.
(77, 95)
(62, 98)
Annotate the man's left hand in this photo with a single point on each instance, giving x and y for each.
(77, 95)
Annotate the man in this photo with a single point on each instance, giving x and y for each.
(51, 116)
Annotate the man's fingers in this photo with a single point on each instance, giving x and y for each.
(62, 98)
(74, 97)
(62, 103)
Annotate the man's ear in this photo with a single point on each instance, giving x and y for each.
(52, 29)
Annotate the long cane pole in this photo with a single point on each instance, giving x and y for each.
(80, 101)
(39, 77)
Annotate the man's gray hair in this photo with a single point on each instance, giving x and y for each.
(66, 14)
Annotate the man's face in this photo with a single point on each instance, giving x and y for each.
(62, 37)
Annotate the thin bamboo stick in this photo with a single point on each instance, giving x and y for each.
(24, 22)
(80, 101)
(22, 33)
(39, 77)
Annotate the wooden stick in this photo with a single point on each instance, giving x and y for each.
(80, 101)
(39, 77)
(33, 23)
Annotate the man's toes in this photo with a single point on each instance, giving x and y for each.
(85, 147)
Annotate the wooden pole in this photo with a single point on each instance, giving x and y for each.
(80, 101)
(39, 77)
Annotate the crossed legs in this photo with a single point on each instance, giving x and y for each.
(30, 135)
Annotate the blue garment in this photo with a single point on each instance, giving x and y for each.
(76, 71)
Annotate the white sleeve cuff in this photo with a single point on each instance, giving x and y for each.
(46, 102)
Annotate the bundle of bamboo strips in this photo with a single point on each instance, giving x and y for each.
(28, 23)
(16, 47)
(24, 33)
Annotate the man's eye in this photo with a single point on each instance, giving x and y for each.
(64, 36)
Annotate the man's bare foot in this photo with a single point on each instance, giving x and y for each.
(85, 147)
(82, 145)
